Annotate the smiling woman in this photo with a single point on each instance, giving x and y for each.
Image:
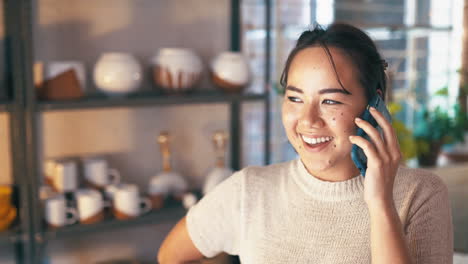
(318, 208)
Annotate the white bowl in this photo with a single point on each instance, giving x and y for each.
(117, 73)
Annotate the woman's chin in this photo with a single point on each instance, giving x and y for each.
(317, 166)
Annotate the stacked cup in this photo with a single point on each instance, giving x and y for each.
(90, 206)
(97, 173)
(58, 213)
(127, 202)
(61, 178)
(61, 174)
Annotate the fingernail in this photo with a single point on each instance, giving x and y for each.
(351, 137)
(357, 119)
(372, 108)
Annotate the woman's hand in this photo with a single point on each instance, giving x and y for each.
(383, 158)
(388, 243)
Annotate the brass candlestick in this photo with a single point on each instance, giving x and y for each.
(219, 173)
(163, 140)
(220, 141)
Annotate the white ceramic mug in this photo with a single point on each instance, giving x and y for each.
(90, 206)
(57, 213)
(128, 203)
(62, 174)
(58, 67)
(97, 172)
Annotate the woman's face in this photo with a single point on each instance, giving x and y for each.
(318, 115)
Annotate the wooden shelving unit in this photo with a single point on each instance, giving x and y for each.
(29, 236)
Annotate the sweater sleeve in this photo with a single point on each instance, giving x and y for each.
(213, 223)
(429, 231)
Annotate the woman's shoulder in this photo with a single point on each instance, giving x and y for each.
(272, 172)
(418, 179)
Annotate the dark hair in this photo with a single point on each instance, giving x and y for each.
(356, 44)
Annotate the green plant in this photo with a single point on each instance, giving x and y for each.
(440, 126)
(437, 127)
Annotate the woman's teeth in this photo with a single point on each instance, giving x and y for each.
(318, 140)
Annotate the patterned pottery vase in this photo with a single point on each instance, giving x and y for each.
(176, 70)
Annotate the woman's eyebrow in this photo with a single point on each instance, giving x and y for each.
(334, 90)
(294, 89)
(323, 91)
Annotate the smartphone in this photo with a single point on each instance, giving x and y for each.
(357, 154)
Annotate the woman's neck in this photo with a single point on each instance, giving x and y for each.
(339, 172)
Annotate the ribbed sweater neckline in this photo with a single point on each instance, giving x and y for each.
(324, 190)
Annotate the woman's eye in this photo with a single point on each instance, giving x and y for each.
(294, 99)
(330, 102)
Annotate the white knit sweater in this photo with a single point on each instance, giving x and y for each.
(282, 214)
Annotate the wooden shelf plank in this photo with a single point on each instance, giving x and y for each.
(170, 213)
(145, 99)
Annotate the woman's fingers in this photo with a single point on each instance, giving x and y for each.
(375, 137)
(388, 134)
(373, 133)
(372, 155)
(387, 128)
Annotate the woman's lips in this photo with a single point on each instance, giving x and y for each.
(315, 147)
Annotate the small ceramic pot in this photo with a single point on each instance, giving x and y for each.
(117, 73)
(176, 70)
(165, 184)
(56, 68)
(230, 72)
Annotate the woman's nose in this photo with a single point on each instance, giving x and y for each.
(311, 117)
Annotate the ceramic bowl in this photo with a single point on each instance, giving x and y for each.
(230, 72)
(176, 70)
(117, 74)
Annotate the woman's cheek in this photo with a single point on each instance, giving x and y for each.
(343, 123)
(289, 115)
(333, 122)
(339, 119)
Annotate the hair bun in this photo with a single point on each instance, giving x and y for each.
(311, 35)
